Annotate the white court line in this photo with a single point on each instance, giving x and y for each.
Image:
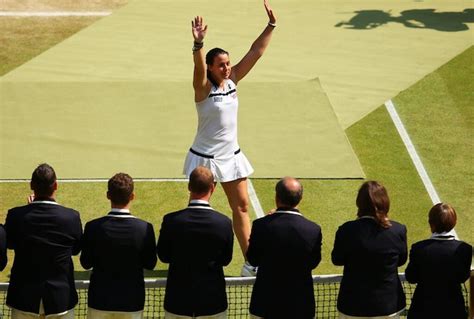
(413, 154)
(254, 200)
(54, 13)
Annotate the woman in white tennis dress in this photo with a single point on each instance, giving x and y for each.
(215, 145)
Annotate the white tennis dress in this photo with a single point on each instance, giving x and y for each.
(215, 145)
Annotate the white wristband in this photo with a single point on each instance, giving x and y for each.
(273, 25)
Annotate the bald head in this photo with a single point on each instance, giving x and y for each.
(201, 181)
(289, 192)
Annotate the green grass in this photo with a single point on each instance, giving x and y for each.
(437, 112)
(439, 115)
(24, 38)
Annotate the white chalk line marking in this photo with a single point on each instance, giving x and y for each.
(54, 14)
(254, 200)
(413, 154)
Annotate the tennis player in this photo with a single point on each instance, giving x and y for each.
(215, 145)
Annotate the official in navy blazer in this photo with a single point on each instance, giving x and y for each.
(44, 236)
(118, 247)
(3, 248)
(285, 246)
(371, 248)
(197, 242)
(439, 266)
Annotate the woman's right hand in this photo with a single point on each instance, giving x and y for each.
(199, 29)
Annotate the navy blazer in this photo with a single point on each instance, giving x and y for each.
(3, 248)
(197, 242)
(370, 255)
(44, 236)
(286, 247)
(118, 247)
(438, 267)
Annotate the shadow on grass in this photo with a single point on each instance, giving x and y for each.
(416, 19)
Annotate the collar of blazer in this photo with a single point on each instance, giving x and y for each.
(199, 203)
(366, 217)
(44, 202)
(288, 210)
(121, 213)
(447, 235)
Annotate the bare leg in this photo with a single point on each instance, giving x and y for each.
(238, 197)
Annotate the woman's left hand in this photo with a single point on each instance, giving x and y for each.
(269, 10)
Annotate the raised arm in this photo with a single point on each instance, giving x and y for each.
(200, 82)
(241, 69)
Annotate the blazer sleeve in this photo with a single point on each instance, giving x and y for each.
(11, 230)
(254, 251)
(229, 244)
(3, 248)
(412, 272)
(464, 252)
(149, 251)
(402, 259)
(338, 254)
(77, 230)
(87, 255)
(164, 245)
(316, 253)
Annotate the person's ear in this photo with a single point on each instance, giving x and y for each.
(108, 195)
(132, 196)
(213, 187)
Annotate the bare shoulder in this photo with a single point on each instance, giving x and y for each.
(200, 94)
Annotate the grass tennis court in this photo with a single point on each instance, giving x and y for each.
(435, 105)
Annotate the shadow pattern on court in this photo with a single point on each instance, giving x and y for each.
(416, 19)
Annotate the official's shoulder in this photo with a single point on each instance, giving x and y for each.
(422, 243)
(398, 226)
(311, 223)
(350, 224)
(96, 221)
(18, 209)
(174, 215)
(464, 246)
(140, 220)
(69, 210)
(220, 215)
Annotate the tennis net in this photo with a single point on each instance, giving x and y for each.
(239, 290)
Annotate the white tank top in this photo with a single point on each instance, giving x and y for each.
(217, 122)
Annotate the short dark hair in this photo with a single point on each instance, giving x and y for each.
(43, 180)
(372, 200)
(289, 196)
(120, 188)
(201, 180)
(442, 217)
